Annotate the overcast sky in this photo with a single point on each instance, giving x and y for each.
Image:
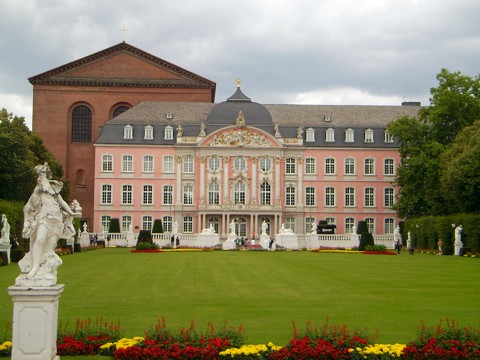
(368, 52)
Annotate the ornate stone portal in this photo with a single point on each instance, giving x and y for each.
(35, 295)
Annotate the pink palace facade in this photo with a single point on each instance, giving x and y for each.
(201, 164)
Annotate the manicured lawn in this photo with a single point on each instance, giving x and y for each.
(264, 291)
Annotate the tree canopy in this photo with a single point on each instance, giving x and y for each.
(430, 177)
(20, 151)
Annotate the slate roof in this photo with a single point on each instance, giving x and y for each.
(289, 118)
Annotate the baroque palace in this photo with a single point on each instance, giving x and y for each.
(142, 139)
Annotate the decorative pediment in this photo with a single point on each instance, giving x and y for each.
(240, 137)
(122, 65)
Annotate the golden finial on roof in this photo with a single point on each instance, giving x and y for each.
(238, 82)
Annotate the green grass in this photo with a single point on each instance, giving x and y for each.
(264, 291)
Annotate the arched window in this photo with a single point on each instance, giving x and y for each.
(119, 110)
(81, 124)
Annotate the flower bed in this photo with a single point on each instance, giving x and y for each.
(146, 251)
(447, 340)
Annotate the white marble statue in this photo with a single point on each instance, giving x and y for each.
(5, 233)
(313, 229)
(85, 229)
(458, 239)
(175, 227)
(397, 238)
(232, 228)
(209, 230)
(264, 228)
(46, 218)
(283, 230)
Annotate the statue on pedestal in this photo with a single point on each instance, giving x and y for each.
(5, 233)
(47, 217)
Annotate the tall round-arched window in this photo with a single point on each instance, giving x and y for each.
(81, 124)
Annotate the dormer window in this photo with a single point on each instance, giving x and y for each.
(310, 137)
(388, 138)
(148, 132)
(349, 135)
(330, 135)
(168, 132)
(128, 132)
(368, 136)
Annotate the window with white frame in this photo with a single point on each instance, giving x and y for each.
(368, 136)
(349, 166)
(369, 197)
(371, 225)
(330, 220)
(389, 167)
(349, 135)
(213, 220)
(167, 164)
(187, 194)
(188, 164)
(147, 196)
(330, 196)
(290, 166)
(265, 164)
(107, 163)
(330, 166)
(310, 135)
(167, 223)
(349, 196)
(214, 163)
(290, 196)
(167, 194)
(148, 163)
(265, 194)
(106, 194)
(147, 222)
(309, 222)
(126, 221)
(127, 194)
(389, 225)
(128, 132)
(168, 132)
(349, 224)
(310, 196)
(290, 223)
(389, 197)
(310, 166)
(239, 164)
(330, 135)
(388, 138)
(213, 193)
(188, 224)
(369, 166)
(239, 193)
(127, 163)
(105, 222)
(148, 132)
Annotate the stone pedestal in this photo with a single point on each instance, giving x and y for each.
(35, 320)
(264, 241)
(6, 247)
(85, 239)
(229, 244)
(287, 240)
(207, 240)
